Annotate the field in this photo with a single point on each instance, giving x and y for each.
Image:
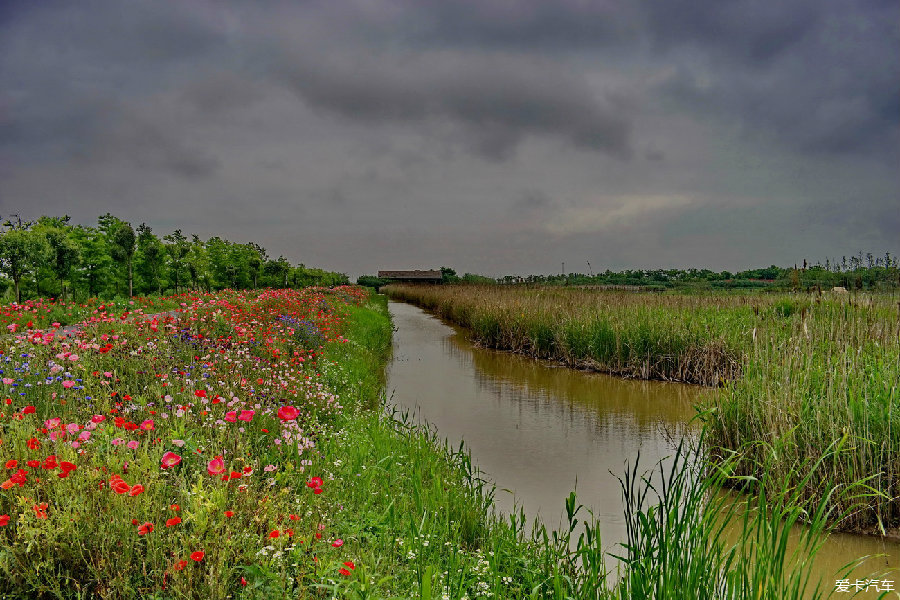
(240, 448)
(804, 379)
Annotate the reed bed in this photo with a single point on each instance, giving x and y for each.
(797, 374)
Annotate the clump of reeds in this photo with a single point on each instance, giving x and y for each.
(674, 338)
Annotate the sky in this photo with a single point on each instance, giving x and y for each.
(491, 136)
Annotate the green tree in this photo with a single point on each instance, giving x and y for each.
(177, 249)
(64, 250)
(277, 271)
(197, 261)
(21, 252)
(93, 269)
(122, 245)
(150, 259)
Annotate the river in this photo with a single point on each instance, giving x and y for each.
(538, 431)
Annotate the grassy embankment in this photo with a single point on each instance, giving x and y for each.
(798, 374)
(240, 450)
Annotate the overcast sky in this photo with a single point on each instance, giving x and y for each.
(496, 137)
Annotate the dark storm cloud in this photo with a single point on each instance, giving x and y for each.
(526, 25)
(497, 100)
(819, 77)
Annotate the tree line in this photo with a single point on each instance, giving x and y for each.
(862, 271)
(51, 257)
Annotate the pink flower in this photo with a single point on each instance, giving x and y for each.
(117, 441)
(170, 459)
(231, 416)
(8, 380)
(246, 415)
(68, 383)
(133, 444)
(216, 466)
(52, 423)
(147, 425)
(73, 357)
(98, 419)
(179, 443)
(337, 543)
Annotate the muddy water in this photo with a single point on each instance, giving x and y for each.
(539, 431)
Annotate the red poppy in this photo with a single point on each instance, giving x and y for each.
(274, 533)
(4, 520)
(288, 413)
(173, 521)
(145, 528)
(180, 565)
(229, 513)
(198, 555)
(40, 510)
(12, 463)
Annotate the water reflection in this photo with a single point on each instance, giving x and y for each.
(536, 430)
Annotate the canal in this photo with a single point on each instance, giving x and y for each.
(539, 431)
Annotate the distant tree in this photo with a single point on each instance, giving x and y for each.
(255, 257)
(177, 249)
(448, 275)
(93, 268)
(65, 252)
(150, 259)
(278, 271)
(197, 261)
(21, 252)
(122, 245)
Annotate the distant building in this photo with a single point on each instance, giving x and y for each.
(411, 276)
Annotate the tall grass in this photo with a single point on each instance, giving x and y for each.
(802, 372)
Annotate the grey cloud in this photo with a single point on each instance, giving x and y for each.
(533, 199)
(824, 83)
(526, 25)
(148, 142)
(496, 99)
(221, 92)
